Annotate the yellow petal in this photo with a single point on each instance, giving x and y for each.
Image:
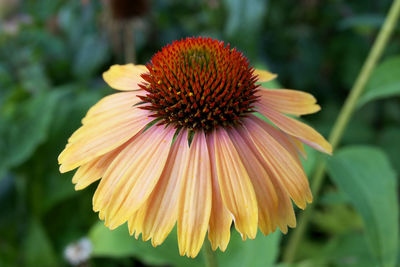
(283, 214)
(125, 77)
(288, 101)
(135, 222)
(267, 198)
(195, 201)
(161, 212)
(279, 160)
(236, 189)
(94, 169)
(92, 141)
(219, 229)
(264, 76)
(113, 102)
(298, 145)
(111, 106)
(132, 176)
(303, 132)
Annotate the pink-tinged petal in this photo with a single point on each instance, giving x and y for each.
(284, 140)
(219, 229)
(94, 140)
(267, 198)
(161, 211)
(112, 105)
(298, 145)
(125, 77)
(288, 101)
(264, 76)
(94, 169)
(303, 132)
(280, 161)
(275, 207)
(196, 197)
(236, 189)
(132, 175)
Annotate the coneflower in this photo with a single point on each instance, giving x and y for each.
(183, 144)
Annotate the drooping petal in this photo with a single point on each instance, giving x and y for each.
(298, 145)
(124, 77)
(236, 189)
(275, 207)
(161, 210)
(267, 198)
(94, 169)
(264, 76)
(219, 229)
(195, 201)
(303, 132)
(288, 101)
(131, 177)
(280, 161)
(135, 222)
(96, 138)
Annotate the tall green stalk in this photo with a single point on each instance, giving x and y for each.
(342, 122)
(209, 255)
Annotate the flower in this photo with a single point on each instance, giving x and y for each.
(78, 252)
(183, 144)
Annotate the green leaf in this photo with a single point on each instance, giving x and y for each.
(384, 82)
(25, 129)
(93, 53)
(365, 175)
(362, 23)
(260, 252)
(244, 23)
(390, 142)
(118, 243)
(38, 250)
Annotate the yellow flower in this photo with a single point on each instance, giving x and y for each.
(182, 145)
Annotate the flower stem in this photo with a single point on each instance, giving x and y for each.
(342, 122)
(209, 255)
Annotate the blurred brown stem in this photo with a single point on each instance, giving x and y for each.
(129, 41)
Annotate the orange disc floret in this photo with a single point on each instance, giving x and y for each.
(199, 83)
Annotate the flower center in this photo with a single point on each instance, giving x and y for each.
(199, 83)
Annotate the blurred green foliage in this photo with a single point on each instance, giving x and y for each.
(52, 54)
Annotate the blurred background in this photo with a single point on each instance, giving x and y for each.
(52, 56)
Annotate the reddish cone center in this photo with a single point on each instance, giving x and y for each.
(199, 83)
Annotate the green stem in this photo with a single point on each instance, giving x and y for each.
(209, 255)
(342, 122)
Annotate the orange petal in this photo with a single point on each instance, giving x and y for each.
(161, 212)
(267, 198)
(125, 77)
(264, 76)
(133, 174)
(298, 145)
(94, 169)
(113, 102)
(236, 189)
(303, 132)
(195, 201)
(273, 212)
(104, 129)
(280, 161)
(219, 229)
(95, 139)
(288, 101)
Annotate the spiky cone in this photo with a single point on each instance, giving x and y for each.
(182, 144)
